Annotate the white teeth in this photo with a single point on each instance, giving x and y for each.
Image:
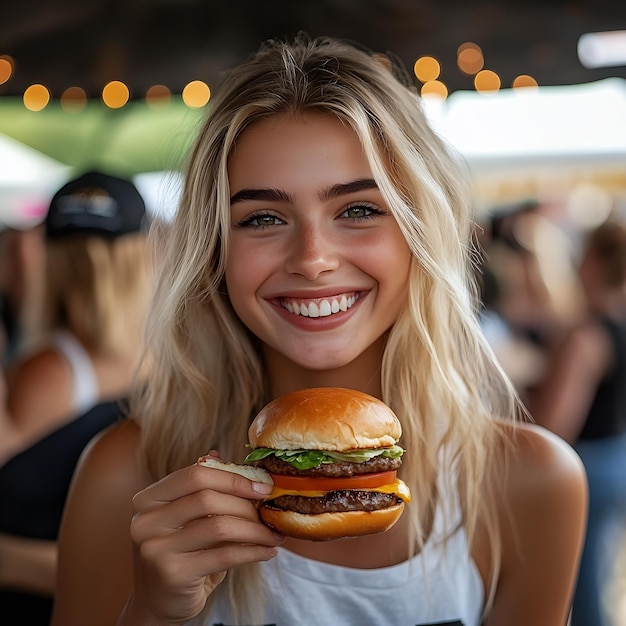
(320, 308)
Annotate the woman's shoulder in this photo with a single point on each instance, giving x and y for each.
(543, 511)
(537, 454)
(111, 460)
(39, 390)
(540, 476)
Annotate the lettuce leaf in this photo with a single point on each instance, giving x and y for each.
(308, 459)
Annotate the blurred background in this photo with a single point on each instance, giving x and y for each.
(519, 88)
(531, 94)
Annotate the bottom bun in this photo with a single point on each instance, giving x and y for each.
(327, 526)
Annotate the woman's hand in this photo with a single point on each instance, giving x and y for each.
(188, 529)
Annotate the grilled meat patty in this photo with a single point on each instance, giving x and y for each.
(340, 469)
(336, 502)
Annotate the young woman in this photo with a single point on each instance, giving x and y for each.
(317, 179)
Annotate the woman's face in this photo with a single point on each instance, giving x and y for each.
(318, 267)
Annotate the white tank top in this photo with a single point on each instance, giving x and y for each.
(86, 390)
(440, 586)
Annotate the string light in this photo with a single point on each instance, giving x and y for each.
(158, 94)
(487, 81)
(196, 94)
(434, 88)
(427, 68)
(115, 94)
(524, 81)
(6, 68)
(36, 97)
(73, 99)
(470, 58)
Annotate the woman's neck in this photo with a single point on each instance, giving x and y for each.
(363, 374)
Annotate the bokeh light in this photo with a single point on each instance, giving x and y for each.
(427, 68)
(524, 80)
(73, 99)
(6, 68)
(487, 81)
(196, 94)
(158, 94)
(434, 88)
(470, 58)
(36, 97)
(115, 94)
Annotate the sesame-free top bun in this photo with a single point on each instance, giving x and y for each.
(325, 418)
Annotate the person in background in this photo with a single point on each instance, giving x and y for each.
(21, 280)
(582, 398)
(323, 239)
(74, 380)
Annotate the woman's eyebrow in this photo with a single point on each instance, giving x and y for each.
(269, 195)
(278, 195)
(342, 189)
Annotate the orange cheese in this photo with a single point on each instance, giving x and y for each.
(398, 487)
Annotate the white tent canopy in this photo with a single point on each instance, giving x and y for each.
(28, 179)
(536, 125)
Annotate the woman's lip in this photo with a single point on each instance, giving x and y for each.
(320, 313)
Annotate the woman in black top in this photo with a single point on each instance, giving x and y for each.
(583, 399)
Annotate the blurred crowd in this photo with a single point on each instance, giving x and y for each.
(74, 293)
(74, 290)
(554, 311)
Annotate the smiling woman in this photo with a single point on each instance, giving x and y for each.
(323, 240)
(315, 232)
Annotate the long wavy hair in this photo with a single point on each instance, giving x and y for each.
(438, 373)
(99, 289)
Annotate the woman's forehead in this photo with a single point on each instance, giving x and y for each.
(284, 150)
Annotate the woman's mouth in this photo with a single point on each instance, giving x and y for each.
(319, 307)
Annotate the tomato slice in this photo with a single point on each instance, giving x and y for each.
(307, 483)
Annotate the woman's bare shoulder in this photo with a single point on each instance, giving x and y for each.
(111, 459)
(543, 514)
(540, 459)
(39, 390)
(95, 529)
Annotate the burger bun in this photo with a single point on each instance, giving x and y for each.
(257, 474)
(325, 418)
(329, 526)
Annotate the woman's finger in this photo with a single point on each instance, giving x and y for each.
(195, 478)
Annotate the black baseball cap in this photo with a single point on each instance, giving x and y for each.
(96, 203)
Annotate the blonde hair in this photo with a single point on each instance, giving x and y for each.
(438, 374)
(99, 289)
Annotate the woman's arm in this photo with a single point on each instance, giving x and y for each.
(562, 400)
(135, 553)
(94, 578)
(543, 523)
(27, 564)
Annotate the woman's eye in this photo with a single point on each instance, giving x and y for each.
(261, 220)
(361, 211)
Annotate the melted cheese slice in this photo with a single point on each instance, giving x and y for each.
(398, 488)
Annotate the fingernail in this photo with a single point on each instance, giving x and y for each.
(262, 488)
(279, 537)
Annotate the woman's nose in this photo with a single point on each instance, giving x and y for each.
(312, 252)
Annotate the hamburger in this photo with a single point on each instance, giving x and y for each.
(332, 455)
